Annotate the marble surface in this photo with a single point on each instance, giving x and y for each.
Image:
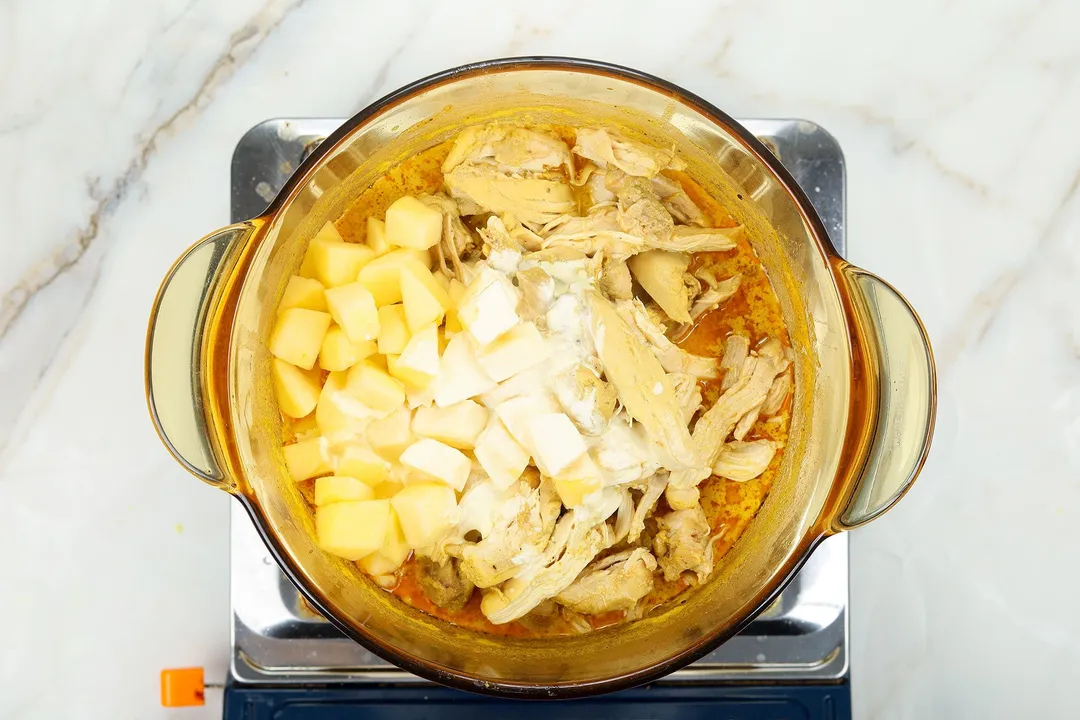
(961, 126)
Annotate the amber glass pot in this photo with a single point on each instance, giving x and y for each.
(863, 410)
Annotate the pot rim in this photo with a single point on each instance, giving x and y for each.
(523, 690)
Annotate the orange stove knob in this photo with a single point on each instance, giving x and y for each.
(182, 687)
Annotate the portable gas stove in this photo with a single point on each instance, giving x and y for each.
(287, 662)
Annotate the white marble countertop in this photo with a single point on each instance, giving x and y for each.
(961, 126)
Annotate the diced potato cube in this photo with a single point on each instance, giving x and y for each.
(418, 363)
(338, 414)
(556, 442)
(455, 292)
(340, 488)
(488, 307)
(424, 299)
(382, 276)
(393, 332)
(419, 397)
(518, 349)
(580, 478)
(307, 458)
(389, 436)
(457, 425)
(460, 375)
(353, 308)
(334, 261)
(340, 353)
(305, 293)
(297, 390)
(501, 456)
(304, 427)
(394, 551)
(297, 336)
(374, 387)
(426, 512)
(433, 460)
(352, 529)
(388, 489)
(516, 413)
(364, 465)
(376, 236)
(412, 224)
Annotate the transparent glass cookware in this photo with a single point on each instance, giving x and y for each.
(863, 409)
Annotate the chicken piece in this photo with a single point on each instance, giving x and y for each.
(509, 150)
(736, 350)
(677, 202)
(719, 291)
(525, 237)
(682, 543)
(616, 582)
(615, 281)
(777, 394)
(774, 351)
(640, 212)
(624, 516)
(672, 357)
(457, 240)
(688, 393)
(661, 274)
(586, 399)
(530, 199)
(742, 461)
(624, 453)
(716, 424)
(597, 192)
(522, 527)
(585, 543)
(503, 252)
(747, 421)
(645, 506)
(537, 293)
(607, 148)
(443, 584)
(643, 387)
(685, 238)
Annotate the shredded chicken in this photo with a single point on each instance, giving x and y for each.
(677, 202)
(457, 240)
(742, 461)
(444, 584)
(672, 357)
(608, 148)
(736, 350)
(615, 582)
(681, 543)
(586, 399)
(777, 394)
(645, 506)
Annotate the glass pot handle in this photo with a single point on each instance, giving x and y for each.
(896, 398)
(175, 341)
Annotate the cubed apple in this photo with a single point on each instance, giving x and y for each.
(516, 412)
(353, 308)
(297, 390)
(307, 459)
(340, 353)
(363, 464)
(488, 307)
(460, 376)
(455, 292)
(424, 299)
(352, 529)
(556, 442)
(518, 349)
(389, 436)
(297, 336)
(393, 332)
(304, 293)
(374, 387)
(376, 236)
(426, 512)
(580, 478)
(382, 276)
(341, 416)
(412, 224)
(394, 551)
(433, 460)
(501, 456)
(340, 488)
(418, 363)
(457, 425)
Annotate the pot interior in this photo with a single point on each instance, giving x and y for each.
(797, 263)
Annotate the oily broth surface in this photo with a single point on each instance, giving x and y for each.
(754, 311)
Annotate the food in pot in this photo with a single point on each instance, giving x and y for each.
(534, 380)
